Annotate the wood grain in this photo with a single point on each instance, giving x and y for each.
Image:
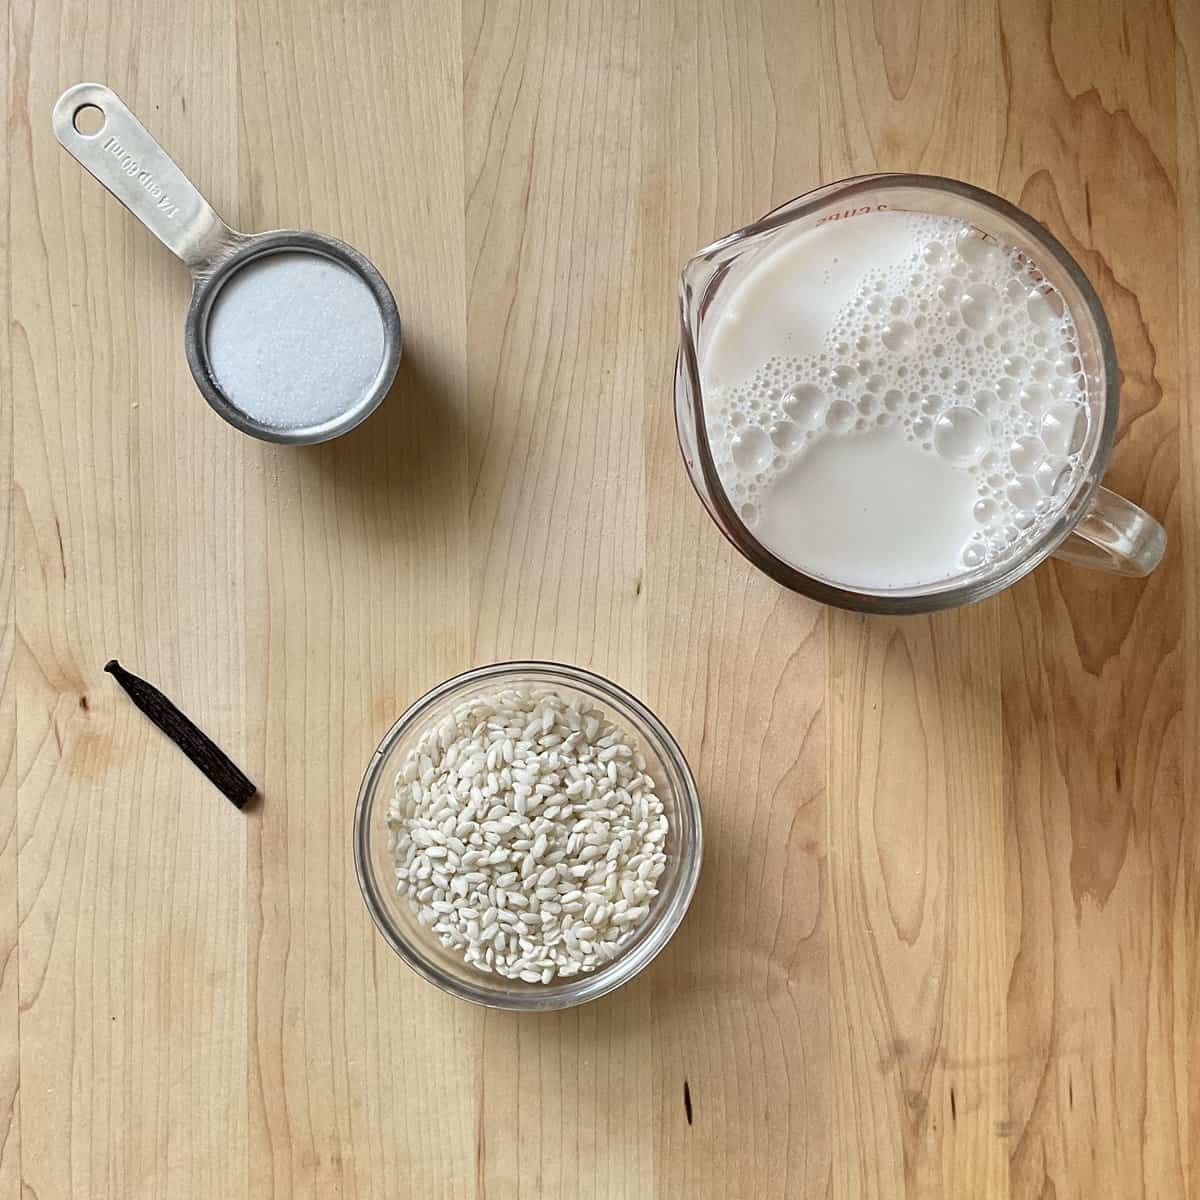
(736, 669)
(10, 1071)
(947, 937)
(353, 566)
(1183, 1077)
(1093, 702)
(557, 517)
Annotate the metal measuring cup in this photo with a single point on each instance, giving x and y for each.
(122, 155)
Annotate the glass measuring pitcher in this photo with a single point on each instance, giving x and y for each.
(814, 420)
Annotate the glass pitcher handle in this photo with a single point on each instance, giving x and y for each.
(1115, 535)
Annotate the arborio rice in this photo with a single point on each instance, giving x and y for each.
(527, 834)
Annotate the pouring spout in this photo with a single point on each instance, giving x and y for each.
(695, 274)
(700, 271)
(698, 284)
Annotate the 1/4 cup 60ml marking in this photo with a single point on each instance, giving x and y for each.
(291, 336)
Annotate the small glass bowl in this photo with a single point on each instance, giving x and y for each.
(420, 947)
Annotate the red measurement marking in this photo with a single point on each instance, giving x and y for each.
(846, 213)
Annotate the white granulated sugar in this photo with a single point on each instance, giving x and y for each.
(527, 835)
(295, 339)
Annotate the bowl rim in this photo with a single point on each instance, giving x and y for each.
(581, 989)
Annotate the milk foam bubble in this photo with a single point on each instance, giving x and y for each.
(895, 400)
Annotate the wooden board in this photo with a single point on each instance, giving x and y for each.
(947, 938)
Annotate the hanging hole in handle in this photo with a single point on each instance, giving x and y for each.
(88, 120)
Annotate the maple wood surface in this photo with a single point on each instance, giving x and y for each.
(946, 938)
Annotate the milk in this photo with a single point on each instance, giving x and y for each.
(894, 401)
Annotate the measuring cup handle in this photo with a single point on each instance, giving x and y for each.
(140, 173)
(1115, 535)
